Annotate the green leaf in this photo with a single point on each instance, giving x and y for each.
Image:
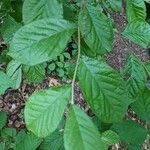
(135, 10)
(20, 136)
(109, 137)
(103, 89)
(134, 147)
(5, 82)
(142, 105)
(116, 5)
(138, 32)
(40, 41)
(8, 133)
(5, 6)
(130, 132)
(101, 125)
(16, 5)
(69, 12)
(8, 29)
(53, 142)
(80, 132)
(14, 71)
(2, 146)
(29, 142)
(45, 108)
(34, 74)
(67, 55)
(52, 66)
(136, 75)
(60, 72)
(85, 50)
(60, 64)
(96, 30)
(62, 58)
(39, 9)
(3, 119)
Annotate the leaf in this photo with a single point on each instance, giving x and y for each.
(130, 132)
(39, 9)
(67, 55)
(136, 75)
(29, 142)
(104, 89)
(14, 71)
(109, 137)
(61, 72)
(142, 105)
(101, 125)
(20, 136)
(135, 10)
(8, 133)
(53, 142)
(138, 32)
(80, 132)
(60, 64)
(16, 5)
(134, 147)
(3, 119)
(45, 108)
(69, 12)
(40, 41)
(52, 66)
(34, 74)
(5, 82)
(2, 146)
(8, 29)
(116, 5)
(96, 30)
(86, 50)
(61, 58)
(5, 6)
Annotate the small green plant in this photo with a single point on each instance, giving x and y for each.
(41, 37)
(60, 65)
(11, 139)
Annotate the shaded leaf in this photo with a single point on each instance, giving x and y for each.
(130, 132)
(8, 133)
(34, 74)
(14, 71)
(29, 142)
(142, 105)
(3, 119)
(8, 29)
(5, 82)
(53, 142)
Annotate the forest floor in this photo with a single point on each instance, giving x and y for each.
(13, 101)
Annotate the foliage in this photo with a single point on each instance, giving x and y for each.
(37, 34)
(10, 139)
(61, 65)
